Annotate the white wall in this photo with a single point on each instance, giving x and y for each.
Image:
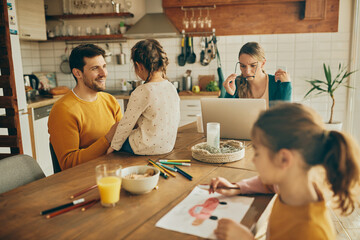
(302, 54)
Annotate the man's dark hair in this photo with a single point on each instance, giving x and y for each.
(77, 55)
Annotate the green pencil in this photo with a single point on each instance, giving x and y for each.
(177, 163)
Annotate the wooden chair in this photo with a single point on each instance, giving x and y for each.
(56, 165)
(18, 170)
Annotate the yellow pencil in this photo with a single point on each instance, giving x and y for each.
(162, 168)
(155, 165)
(186, 160)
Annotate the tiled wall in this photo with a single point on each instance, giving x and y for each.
(302, 54)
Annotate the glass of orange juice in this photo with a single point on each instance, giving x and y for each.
(108, 179)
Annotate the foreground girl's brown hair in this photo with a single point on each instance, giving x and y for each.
(294, 126)
(151, 54)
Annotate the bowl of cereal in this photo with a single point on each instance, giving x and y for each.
(139, 179)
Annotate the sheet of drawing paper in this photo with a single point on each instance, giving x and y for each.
(199, 212)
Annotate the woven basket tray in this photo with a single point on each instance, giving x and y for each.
(204, 155)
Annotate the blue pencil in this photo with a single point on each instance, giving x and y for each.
(188, 176)
(169, 168)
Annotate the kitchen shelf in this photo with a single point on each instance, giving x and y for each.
(91, 37)
(95, 15)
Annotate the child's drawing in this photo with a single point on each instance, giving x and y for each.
(198, 212)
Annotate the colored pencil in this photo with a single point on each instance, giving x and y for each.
(90, 204)
(83, 191)
(188, 176)
(51, 215)
(163, 160)
(167, 167)
(166, 170)
(177, 163)
(207, 187)
(76, 202)
(164, 175)
(161, 170)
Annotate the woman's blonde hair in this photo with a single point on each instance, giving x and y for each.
(255, 51)
(151, 55)
(296, 127)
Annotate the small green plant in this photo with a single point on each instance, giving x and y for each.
(330, 85)
(212, 86)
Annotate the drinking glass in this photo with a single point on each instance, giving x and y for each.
(282, 67)
(92, 6)
(213, 134)
(108, 180)
(200, 20)
(186, 21)
(128, 5)
(207, 19)
(193, 20)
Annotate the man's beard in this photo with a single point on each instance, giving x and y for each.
(93, 85)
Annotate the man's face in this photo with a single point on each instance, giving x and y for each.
(94, 73)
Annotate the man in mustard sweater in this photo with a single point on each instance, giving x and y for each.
(83, 122)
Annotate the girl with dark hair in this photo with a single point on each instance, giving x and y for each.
(253, 81)
(289, 139)
(151, 120)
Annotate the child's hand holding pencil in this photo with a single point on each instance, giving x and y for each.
(224, 187)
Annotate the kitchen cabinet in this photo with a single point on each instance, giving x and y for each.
(31, 19)
(244, 17)
(188, 111)
(38, 120)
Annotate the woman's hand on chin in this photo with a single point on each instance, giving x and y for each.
(229, 84)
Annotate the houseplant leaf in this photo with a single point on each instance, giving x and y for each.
(330, 84)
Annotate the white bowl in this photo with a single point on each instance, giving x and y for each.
(139, 186)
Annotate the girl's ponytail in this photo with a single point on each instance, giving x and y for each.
(342, 168)
(297, 127)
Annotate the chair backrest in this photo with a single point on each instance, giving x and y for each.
(18, 170)
(56, 165)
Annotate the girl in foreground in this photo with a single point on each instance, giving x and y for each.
(152, 117)
(288, 140)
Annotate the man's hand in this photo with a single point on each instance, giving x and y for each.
(109, 136)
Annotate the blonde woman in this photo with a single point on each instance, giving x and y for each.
(253, 81)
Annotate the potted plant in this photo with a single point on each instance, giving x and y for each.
(329, 86)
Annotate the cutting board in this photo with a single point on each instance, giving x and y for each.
(202, 93)
(205, 80)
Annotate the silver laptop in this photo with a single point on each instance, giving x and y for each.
(236, 116)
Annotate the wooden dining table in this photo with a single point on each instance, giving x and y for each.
(134, 216)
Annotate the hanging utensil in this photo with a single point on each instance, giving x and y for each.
(181, 57)
(202, 53)
(219, 70)
(213, 48)
(108, 54)
(207, 58)
(192, 56)
(64, 65)
(121, 57)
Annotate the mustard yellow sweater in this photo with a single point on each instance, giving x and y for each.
(310, 221)
(77, 128)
